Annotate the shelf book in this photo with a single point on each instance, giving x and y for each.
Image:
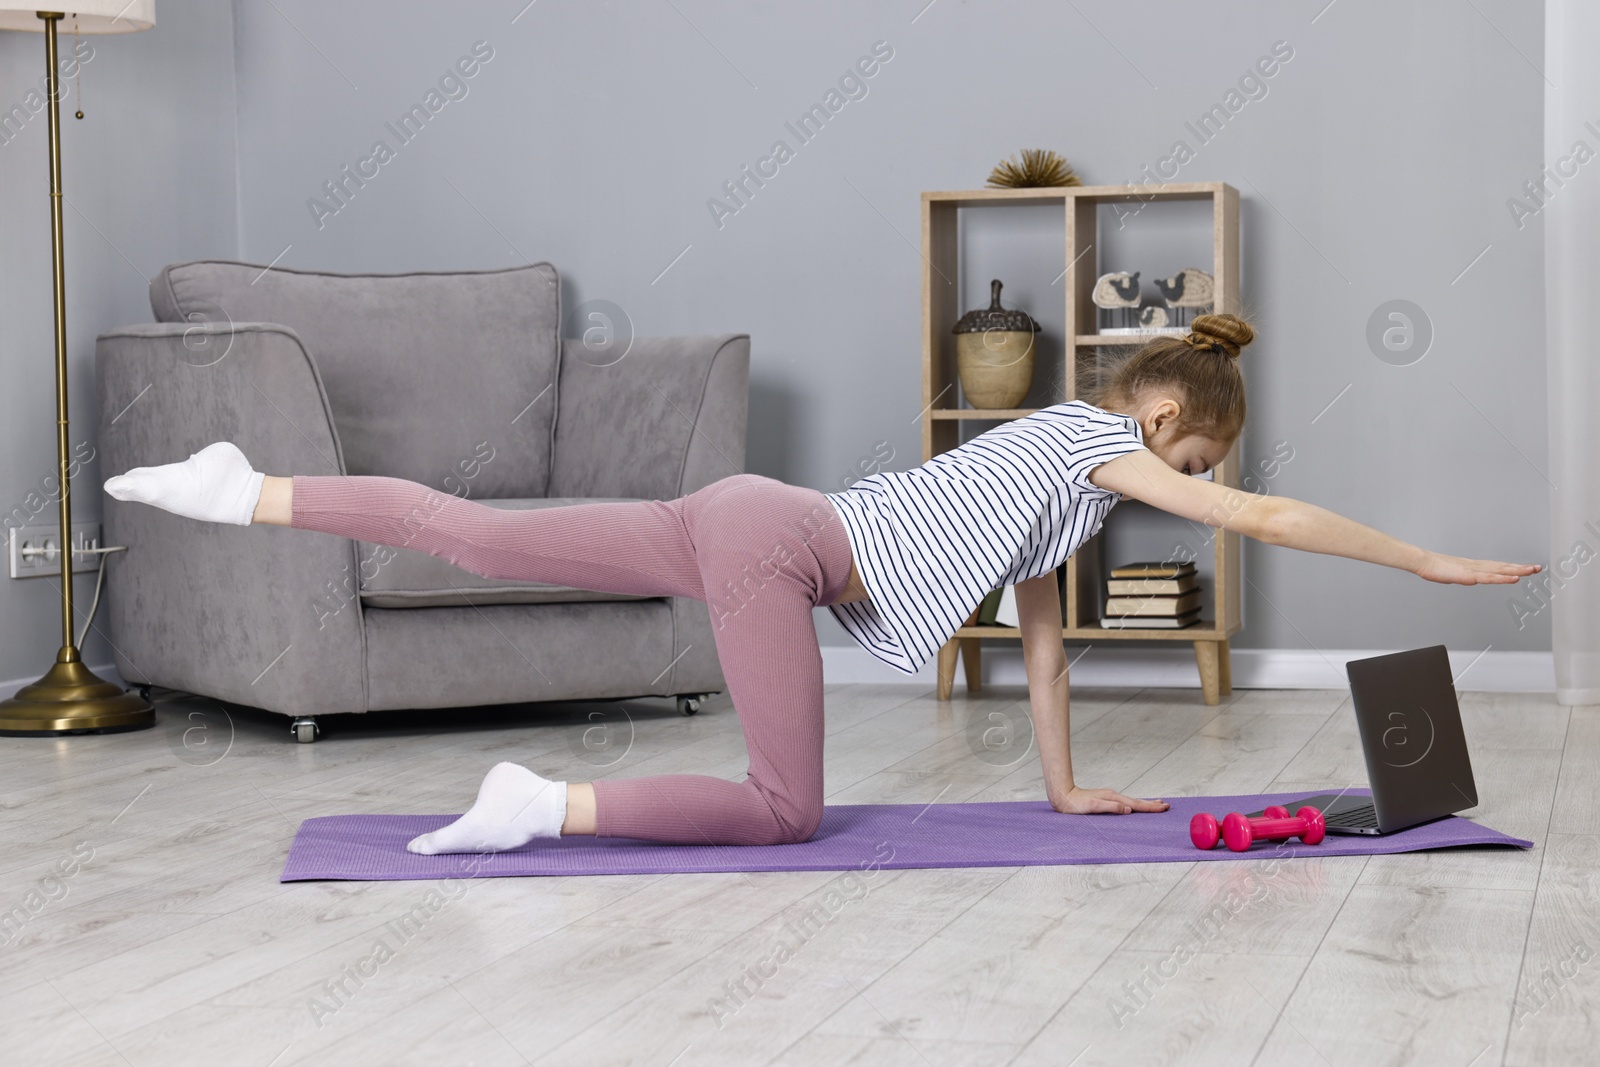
(1155, 594)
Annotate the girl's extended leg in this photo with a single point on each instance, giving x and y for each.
(638, 547)
(275, 506)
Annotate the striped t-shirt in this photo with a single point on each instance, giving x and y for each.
(1012, 503)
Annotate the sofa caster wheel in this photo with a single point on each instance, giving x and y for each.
(144, 693)
(688, 705)
(305, 729)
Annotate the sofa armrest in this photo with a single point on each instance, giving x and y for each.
(256, 615)
(666, 419)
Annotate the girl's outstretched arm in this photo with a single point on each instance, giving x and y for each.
(1278, 520)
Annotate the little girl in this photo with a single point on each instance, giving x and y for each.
(901, 558)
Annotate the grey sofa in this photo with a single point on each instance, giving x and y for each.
(460, 381)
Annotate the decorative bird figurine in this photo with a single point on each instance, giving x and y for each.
(1190, 288)
(1118, 289)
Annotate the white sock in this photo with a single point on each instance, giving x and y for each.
(514, 806)
(215, 484)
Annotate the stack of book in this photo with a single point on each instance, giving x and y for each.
(1155, 595)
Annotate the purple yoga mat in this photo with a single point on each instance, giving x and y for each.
(852, 836)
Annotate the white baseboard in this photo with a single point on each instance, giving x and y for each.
(106, 672)
(1162, 668)
(1253, 668)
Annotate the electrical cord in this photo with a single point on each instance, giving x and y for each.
(99, 581)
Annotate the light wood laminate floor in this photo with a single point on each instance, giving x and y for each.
(172, 942)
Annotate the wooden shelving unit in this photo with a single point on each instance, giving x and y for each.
(941, 424)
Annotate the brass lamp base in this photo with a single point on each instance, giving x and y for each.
(72, 699)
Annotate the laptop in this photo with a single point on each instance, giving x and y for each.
(1415, 748)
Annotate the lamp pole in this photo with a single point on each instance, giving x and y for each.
(70, 698)
(58, 254)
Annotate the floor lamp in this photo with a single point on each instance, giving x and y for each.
(70, 699)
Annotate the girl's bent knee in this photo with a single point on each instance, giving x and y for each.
(799, 826)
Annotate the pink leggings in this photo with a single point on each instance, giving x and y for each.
(761, 553)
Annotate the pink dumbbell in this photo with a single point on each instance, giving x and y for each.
(1276, 824)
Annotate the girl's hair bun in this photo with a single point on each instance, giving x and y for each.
(1220, 333)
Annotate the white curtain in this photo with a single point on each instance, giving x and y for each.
(1572, 290)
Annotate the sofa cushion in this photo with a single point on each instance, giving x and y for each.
(426, 374)
(413, 579)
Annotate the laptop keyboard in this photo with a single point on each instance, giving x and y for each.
(1364, 816)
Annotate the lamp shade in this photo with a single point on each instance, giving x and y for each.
(90, 16)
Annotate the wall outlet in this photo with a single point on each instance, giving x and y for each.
(35, 551)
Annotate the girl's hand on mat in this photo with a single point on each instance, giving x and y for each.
(1454, 570)
(1103, 802)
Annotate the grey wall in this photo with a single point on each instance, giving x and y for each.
(148, 179)
(1376, 167)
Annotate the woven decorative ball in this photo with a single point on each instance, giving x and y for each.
(994, 353)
